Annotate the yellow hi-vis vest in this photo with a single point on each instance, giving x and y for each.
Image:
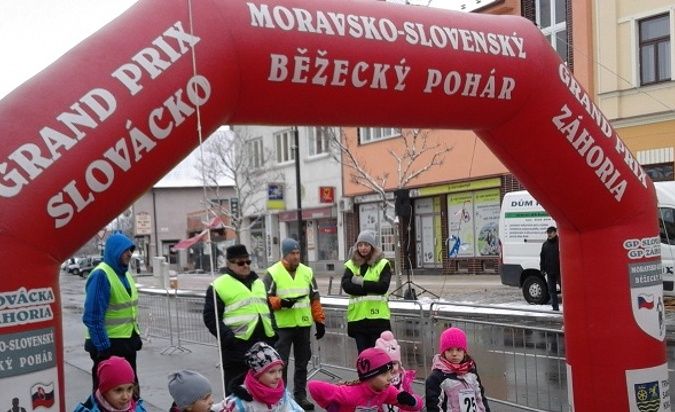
(368, 306)
(121, 318)
(289, 287)
(243, 306)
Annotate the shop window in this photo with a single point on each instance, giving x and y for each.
(327, 239)
(473, 224)
(662, 172)
(168, 252)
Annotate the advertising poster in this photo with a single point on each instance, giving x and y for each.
(460, 223)
(486, 222)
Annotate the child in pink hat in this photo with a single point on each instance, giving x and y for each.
(116, 391)
(454, 380)
(401, 379)
(370, 392)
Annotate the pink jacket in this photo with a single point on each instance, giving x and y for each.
(405, 383)
(359, 397)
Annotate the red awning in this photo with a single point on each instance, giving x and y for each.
(187, 243)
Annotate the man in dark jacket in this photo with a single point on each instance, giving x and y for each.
(111, 307)
(236, 305)
(549, 263)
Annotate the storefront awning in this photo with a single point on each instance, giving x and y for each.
(187, 243)
(307, 214)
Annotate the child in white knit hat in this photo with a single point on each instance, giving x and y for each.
(263, 383)
(190, 392)
(401, 379)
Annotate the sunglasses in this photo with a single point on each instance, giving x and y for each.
(241, 262)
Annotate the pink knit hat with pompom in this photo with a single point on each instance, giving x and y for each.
(388, 343)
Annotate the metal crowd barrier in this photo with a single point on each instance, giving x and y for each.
(522, 366)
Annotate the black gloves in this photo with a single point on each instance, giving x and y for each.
(404, 398)
(287, 303)
(103, 354)
(241, 393)
(320, 330)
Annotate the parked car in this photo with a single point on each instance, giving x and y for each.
(86, 265)
(71, 266)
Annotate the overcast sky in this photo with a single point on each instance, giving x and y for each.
(34, 33)
(37, 32)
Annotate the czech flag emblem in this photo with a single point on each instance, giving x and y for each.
(645, 301)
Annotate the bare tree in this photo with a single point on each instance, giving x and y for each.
(228, 156)
(417, 155)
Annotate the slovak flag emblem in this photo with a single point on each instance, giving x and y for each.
(645, 301)
(42, 395)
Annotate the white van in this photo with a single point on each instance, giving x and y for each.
(522, 230)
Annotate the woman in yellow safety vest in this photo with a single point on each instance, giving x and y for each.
(366, 280)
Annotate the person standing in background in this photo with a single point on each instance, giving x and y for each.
(549, 263)
(111, 307)
(240, 312)
(366, 280)
(296, 304)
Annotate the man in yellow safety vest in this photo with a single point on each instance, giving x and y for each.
(294, 297)
(111, 307)
(239, 310)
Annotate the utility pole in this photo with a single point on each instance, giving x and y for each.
(298, 192)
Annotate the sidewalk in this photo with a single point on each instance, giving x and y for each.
(448, 286)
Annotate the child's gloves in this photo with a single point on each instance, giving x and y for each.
(404, 398)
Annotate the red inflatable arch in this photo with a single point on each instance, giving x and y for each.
(85, 137)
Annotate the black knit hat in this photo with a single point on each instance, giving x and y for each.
(236, 251)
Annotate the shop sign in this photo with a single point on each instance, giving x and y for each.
(326, 194)
(143, 224)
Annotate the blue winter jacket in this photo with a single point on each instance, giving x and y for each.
(90, 405)
(98, 290)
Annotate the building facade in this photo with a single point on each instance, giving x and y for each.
(634, 75)
(173, 210)
(275, 214)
